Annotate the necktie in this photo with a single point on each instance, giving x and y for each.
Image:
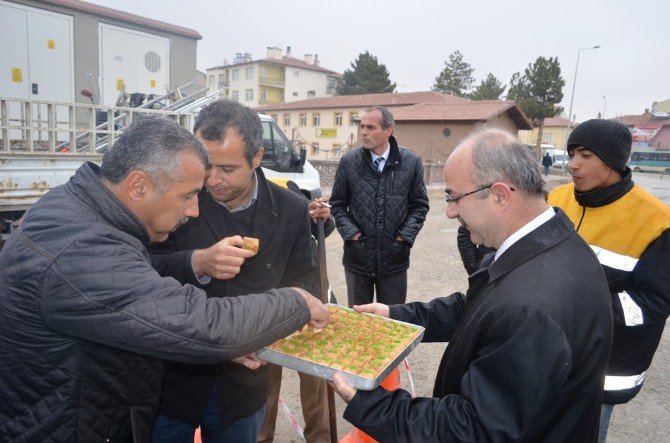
(378, 161)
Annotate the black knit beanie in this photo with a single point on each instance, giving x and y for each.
(608, 139)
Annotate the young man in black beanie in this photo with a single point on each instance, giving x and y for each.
(629, 230)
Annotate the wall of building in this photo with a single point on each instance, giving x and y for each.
(344, 135)
(305, 81)
(429, 139)
(553, 135)
(661, 140)
(87, 54)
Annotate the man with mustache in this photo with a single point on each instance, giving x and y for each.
(629, 229)
(84, 318)
(379, 202)
(227, 400)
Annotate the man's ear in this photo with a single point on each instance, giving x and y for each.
(137, 185)
(502, 192)
(256, 161)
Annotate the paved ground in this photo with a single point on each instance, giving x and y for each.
(437, 270)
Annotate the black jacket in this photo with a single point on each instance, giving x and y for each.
(380, 207)
(285, 258)
(85, 320)
(526, 358)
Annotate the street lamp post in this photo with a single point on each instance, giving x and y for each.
(572, 98)
(604, 106)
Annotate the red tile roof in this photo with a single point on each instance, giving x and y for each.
(125, 16)
(296, 63)
(644, 119)
(365, 100)
(286, 61)
(558, 121)
(470, 110)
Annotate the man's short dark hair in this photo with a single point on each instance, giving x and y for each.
(216, 119)
(387, 116)
(155, 145)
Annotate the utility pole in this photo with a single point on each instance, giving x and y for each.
(572, 98)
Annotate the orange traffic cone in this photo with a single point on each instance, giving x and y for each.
(390, 383)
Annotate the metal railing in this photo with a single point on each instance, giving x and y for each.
(56, 127)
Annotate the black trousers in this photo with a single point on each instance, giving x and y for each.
(391, 289)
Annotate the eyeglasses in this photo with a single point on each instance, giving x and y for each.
(451, 200)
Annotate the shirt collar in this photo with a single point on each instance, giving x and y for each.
(525, 230)
(385, 155)
(252, 199)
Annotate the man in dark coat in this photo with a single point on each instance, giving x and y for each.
(84, 318)
(547, 162)
(525, 360)
(379, 202)
(227, 399)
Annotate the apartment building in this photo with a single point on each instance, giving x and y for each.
(278, 78)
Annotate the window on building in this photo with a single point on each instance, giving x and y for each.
(263, 71)
(311, 94)
(353, 116)
(235, 96)
(316, 119)
(296, 73)
(546, 137)
(264, 94)
(315, 149)
(287, 119)
(249, 73)
(222, 80)
(248, 94)
(303, 119)
(295, 94)
(236, 74)
(338, 119)
(211, 80)
(337, 150)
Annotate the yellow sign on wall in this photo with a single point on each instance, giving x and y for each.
(326, 132)
(119, 84)
(51, 43)
(152, 83)
(17, 75)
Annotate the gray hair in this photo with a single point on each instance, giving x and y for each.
(387, 116)
(216, 119)
(155, 145)
(497, 156)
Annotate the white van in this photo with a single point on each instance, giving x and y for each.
(281, 162)
(559, 157)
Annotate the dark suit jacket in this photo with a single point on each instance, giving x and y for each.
(285, 258)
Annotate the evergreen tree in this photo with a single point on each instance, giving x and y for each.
(367, 76)
(489, 89)
(538, 92)
(456, 77)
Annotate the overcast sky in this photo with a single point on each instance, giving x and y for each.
(413, 39)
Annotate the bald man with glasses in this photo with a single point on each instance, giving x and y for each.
(526, 359)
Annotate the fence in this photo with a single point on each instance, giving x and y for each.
(432, 173)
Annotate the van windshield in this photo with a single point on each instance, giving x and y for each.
(279, 153)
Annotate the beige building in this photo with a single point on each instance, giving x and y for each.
(554, 135)
(430, 123)
(278, 78)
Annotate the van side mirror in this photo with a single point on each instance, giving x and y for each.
(303, 155)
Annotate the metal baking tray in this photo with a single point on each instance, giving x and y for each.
(322, 371)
